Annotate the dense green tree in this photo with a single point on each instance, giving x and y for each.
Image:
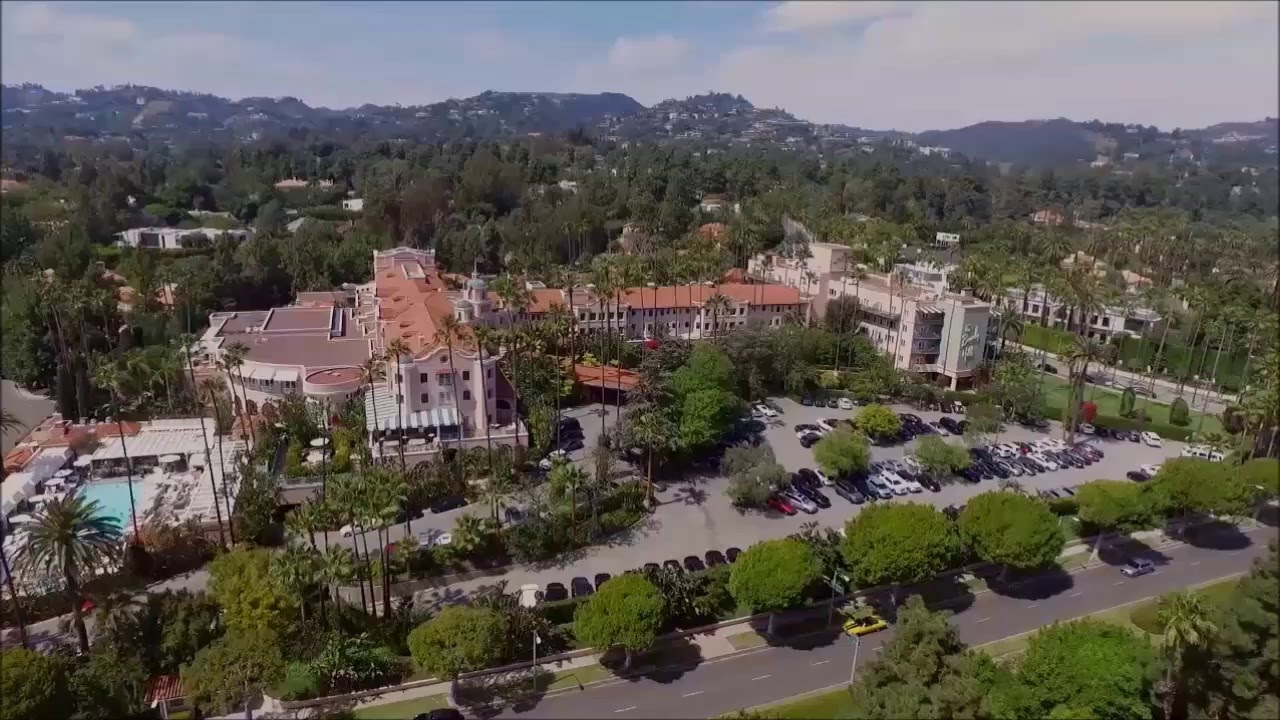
(877, 421)
(251, 596)
(627, 612)
(773, 575)
(899, 545)
(234, 671)
(842, 452)
(1011, 530)
(1092, 666)
(1242, 677)
(458, 639)
(33, 685)
(1193, 485)
(1112, 506)
(940, 457)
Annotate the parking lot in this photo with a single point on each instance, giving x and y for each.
(694, 515)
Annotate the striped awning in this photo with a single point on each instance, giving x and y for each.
(443, 417)
(286, 375)
(930, 310)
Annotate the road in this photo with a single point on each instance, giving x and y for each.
(28, 407)
(773, 673)
(1166, 390)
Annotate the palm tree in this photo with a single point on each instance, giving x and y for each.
(500, 485)
(210, 388)
(1008, 322)
(484, 336)
(515, 299)
(1083, 352)
(564, 480)
(232, 361)
(716, 304)
(397, 349)
(1188, 624)
(372, 372)
(334, 567)
(295, 570)
(654, 432)
(71, 536)
(186, 341)
(470, 533)
(13, 593)
(106, 374)
(449, 328)
(386, 501)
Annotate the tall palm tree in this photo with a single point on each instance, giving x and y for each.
(211, 389)
(295, 570)
(233, 357)
(1083, 352)
(72, 536)
(1008, 322)
(185, 341)
(484, 336)
(13, 593)
(372, 372)
(335, 567)
(651, 428)
(717, 304)
(1187, 618)
(500, 486)
(564, 480)
(107, 374)
(515, 300)
(449, 329)
(397, 349)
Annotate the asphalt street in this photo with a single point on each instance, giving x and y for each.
(771, 673)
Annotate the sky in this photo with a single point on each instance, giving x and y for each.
(880, 65)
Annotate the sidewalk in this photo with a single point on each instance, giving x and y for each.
(743, 635)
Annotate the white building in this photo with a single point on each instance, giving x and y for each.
(921, 325)
(166, 238)
(1104, 324)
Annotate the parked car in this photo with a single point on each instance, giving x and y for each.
(652, 567)
(823, 479)
(1150, 469)
(798, 500)
(1152, 439)
(580, 587)
(1137, 567)
(693, 563)
(833, 403)
(781, 504)
(806, 401)
(572, 444)
(555, 591)
(447, 503)
(806, 429)
(828, 424)
(845, 403)
(928, 481)
(673, 565)
(1049, 368)
(810, 440)
(1087, 429)
(762, 410)
(815, 495)
(849, 491)
(714, 558)
(601, 578)
(1137, 476)
(732, 554)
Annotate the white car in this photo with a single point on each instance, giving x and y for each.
(1087, 429)
(913, 464)
(347, 531)
(764, 410)
(1150, 469)
(894, 483)
(528, 596)
(845, 403)
(1055, 444)
(1045, 461)
(443, 539)
(913, 486)
(822, 478)
(827, 425)
(1202, 452)
(1152, 439)
(552, 457)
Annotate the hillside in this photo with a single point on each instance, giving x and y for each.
(36, 116)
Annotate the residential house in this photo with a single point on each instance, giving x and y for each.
(167, 238)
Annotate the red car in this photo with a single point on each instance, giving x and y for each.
(781, 505)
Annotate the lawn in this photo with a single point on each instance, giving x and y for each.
(403, 710)
(1108, 402)
(1219, 593)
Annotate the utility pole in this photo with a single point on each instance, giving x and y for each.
(835, 583)
(857, 643)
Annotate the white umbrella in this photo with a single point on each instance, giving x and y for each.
(170, 458)
(65, 472)
(83, 461)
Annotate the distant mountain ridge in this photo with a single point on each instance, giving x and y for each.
(33, 113)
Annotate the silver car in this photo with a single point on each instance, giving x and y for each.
(802, 503)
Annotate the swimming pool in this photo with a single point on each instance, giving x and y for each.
(113, 496)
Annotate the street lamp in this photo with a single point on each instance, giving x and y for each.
(837, 583)
(857, 643)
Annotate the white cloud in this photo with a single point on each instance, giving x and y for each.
(648, 54)
(805, 16)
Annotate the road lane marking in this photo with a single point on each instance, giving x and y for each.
(1195, 563)
(984, 619)
(1118, 582)
(698, 692)
(621, 710)
(820, 662)
(761, 677)
(1077, 594)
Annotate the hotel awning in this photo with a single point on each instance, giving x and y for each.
(286, 375)
(443, 417)
(930, 310)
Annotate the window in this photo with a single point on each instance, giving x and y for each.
(466, 394)
(444, 359)
(444, 397)
(489, 373)
(445, 380)
(399, 399)
(422, 378)
(425, 399)
(489, 394)
(466, 375)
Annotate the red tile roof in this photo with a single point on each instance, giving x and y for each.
(163, 688)
(605, 376)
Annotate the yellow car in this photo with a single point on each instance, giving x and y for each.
(864, 625)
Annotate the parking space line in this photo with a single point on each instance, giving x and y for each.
(820, 662)
(696, 692)
(761, 677)
(984, 619)
(622, 710)
(1034, 605)
(1195, 563)
(1077, 594)
(1118, 582)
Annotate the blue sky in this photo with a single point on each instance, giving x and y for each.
(905, 65)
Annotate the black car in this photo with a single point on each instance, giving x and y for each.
(816, 495)
(1029, 466)
(928, 482)
(570, 423)
(810, 477)
(555, 591)
(1137, 476)
(997, 469)
(732, 554)
(580, 587)
(714, 558)
(447, 503)
(693, 563)
(1049, 368)
(440, 714)
(970, 474)
(672, 565)
(651, 567)
(952, 512)
(810, 440)
(806, 401)
(572, 444)
(602, 578)
(1066, 491)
